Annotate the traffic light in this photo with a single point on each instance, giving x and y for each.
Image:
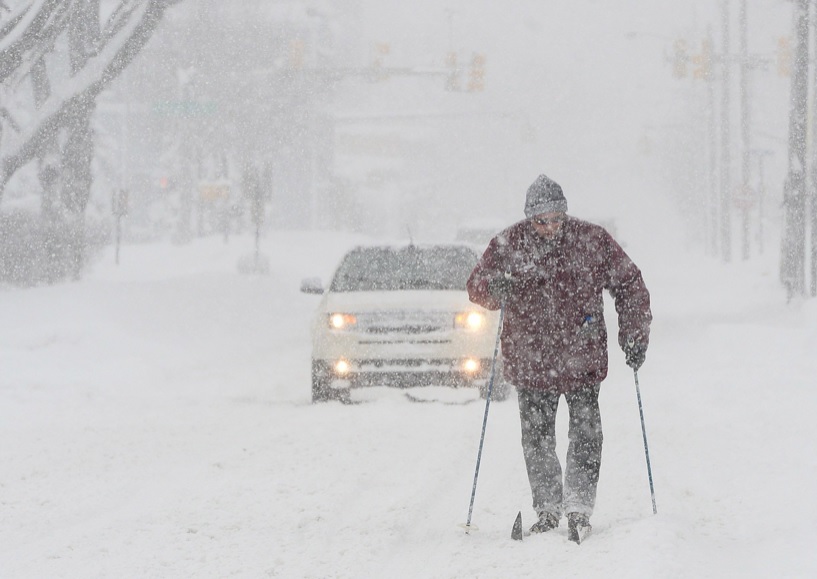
(784, 56)
(381, 49)
(702, 63)
(476, 76)
(452, 81)
(680, 58)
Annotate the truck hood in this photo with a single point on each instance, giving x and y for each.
(434, 300)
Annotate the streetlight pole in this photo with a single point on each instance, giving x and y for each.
(745, 115)
(712, 135)
(792, 267)
(726, 222)
(813, 195)
(761, 197)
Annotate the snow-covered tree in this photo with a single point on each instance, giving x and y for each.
(56, 56)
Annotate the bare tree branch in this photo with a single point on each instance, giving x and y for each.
(34, 25)
(83, 34)
(118, 19)
(78, 93)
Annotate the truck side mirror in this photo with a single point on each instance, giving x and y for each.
(311, 285)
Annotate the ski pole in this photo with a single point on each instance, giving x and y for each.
(646, 448)
(485, 417)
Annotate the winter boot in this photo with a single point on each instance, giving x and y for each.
(578, 527)
(547, 522)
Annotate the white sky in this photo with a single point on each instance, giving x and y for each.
(581, 90)
(592, 78)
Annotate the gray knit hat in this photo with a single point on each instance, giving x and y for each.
(544, 196)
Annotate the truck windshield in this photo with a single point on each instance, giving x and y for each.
(404, 268)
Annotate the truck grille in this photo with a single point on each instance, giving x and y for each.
(405, 322)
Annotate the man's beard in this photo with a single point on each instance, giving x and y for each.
(548, 244)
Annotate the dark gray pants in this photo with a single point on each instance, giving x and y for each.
(537, 413)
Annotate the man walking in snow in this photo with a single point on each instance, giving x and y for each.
(548, 272)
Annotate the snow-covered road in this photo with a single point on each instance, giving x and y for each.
(155, 422)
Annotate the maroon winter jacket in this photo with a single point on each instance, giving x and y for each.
(554, 336)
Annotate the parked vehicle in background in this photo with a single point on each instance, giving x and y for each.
(400, 316)
(478, 233)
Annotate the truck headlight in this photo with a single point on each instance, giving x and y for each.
(339, 321)
(470, 366)
(342, 367)
(469, 321)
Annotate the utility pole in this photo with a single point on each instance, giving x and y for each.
(726, 222)
(761, 154)
(792, 263)
(745, 137)
(813, 195)
(712, 137)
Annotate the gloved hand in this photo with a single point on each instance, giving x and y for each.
(635, 354)
(500, 286)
